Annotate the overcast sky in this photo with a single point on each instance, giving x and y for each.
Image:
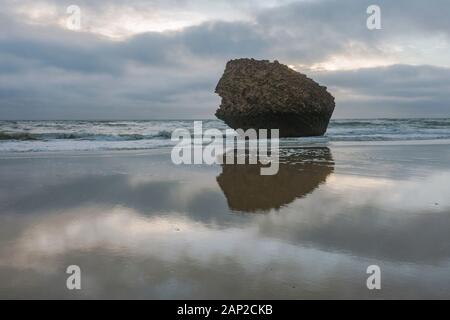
(161, 59)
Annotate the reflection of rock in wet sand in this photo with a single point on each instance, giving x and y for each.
(301, 171)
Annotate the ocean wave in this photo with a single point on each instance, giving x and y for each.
(17, 136)
(389, 138)
(391, 123)
(28, 136)
(356, 123)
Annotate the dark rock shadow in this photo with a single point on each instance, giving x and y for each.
(301, 171)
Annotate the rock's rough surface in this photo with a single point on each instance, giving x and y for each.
(261, 94)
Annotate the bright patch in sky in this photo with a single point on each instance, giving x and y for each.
(125, 23)
(122, 21)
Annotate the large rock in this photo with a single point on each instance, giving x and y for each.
(269, 95)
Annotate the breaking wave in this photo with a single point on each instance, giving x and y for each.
(29, 136)
(24, 136)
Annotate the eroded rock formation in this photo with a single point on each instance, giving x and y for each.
(269, 95)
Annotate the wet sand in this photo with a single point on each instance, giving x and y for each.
(140, 227)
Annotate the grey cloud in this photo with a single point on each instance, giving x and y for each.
(394, 80)
(225, 40)
(46, 72)
(393, 91)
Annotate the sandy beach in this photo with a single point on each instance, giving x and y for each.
(124, 125)
(140, 227)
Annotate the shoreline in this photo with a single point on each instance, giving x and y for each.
(165, 150)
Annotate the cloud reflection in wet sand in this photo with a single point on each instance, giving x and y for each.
(133, 239)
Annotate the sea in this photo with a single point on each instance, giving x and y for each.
(53, 136)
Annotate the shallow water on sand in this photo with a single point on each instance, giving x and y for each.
(140, 227)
